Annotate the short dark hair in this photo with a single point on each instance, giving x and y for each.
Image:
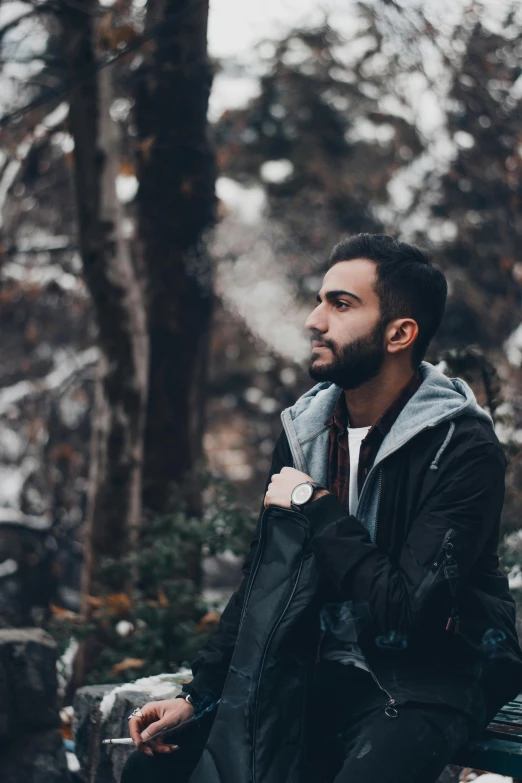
(408, 284)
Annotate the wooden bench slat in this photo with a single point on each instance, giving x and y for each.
(499, 748)
(507, 719)
(509, 733)
(510, 709)
(494, 755)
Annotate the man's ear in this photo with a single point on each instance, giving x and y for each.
(401, 334)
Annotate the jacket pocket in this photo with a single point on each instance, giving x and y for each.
(439, 563)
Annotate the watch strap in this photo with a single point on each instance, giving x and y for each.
(315, 485)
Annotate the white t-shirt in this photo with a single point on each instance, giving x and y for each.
(355, 437)
(348, 653)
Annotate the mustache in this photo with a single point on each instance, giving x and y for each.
(322, 341)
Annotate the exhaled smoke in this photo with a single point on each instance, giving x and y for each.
(207, 703)
(242, 689)
(343, 620)
(491, 645)
(393, 640)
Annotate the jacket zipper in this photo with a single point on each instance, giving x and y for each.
(255, 566)
(265, 652)
(442, 558)
(252, 576)
(390, 708)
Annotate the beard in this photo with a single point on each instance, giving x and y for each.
(354, 363)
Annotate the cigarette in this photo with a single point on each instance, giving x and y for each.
(166, 730)
(119, 741)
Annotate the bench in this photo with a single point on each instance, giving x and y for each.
(499, 748)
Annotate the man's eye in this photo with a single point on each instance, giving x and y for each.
(342, 304)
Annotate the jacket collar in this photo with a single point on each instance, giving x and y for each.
(340, 418)
(437, 399)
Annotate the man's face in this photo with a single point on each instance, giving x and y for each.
(348, 337)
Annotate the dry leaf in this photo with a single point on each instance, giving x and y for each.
(145, 146)
(127, 663)
(59, 611)
(208, 619)
(162, 598)
(118, 603)
(93, 600)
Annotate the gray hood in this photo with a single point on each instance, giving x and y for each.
(438, 399)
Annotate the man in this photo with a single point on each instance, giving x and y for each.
(401, 478)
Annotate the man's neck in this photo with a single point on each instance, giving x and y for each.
(367, 403)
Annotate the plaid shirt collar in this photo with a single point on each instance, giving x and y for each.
(340, 417)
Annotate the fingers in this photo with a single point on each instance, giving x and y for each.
(157, 726)
(149, 713)
(136, 726)
(154, 720)
(157, 746)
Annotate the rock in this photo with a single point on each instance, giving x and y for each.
(450, 774)
(100, 712)
(31, 745)
(27, 681)
(35, 758)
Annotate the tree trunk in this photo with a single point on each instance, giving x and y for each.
(175, 205)
(117, 443)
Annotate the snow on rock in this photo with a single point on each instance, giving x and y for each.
(64, 665)
(160, 686)
(124, 628)
(73, 765)
(515, 578)
(126, 187)
(276, 171)
(8, 567)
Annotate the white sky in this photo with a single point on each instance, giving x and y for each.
(235, 25)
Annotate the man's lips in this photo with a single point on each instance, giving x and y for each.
(316, 346)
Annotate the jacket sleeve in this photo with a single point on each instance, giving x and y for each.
(211, 664)
(465, 507)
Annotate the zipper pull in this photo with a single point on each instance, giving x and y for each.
(453, 621)
(451, 574)
(390, 710)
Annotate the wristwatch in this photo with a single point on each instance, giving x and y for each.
(303, 493)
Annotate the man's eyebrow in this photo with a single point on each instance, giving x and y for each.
(330, 295)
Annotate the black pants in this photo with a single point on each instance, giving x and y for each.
(349, 737)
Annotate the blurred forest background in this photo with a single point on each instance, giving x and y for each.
(169, 192)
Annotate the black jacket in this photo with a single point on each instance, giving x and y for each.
(257, 734)
(401, 585)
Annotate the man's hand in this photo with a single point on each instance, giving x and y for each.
(282, 485)
(156, 716)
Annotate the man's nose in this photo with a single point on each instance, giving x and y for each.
(316, 320)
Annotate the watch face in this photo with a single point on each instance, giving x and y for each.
(302, 494)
